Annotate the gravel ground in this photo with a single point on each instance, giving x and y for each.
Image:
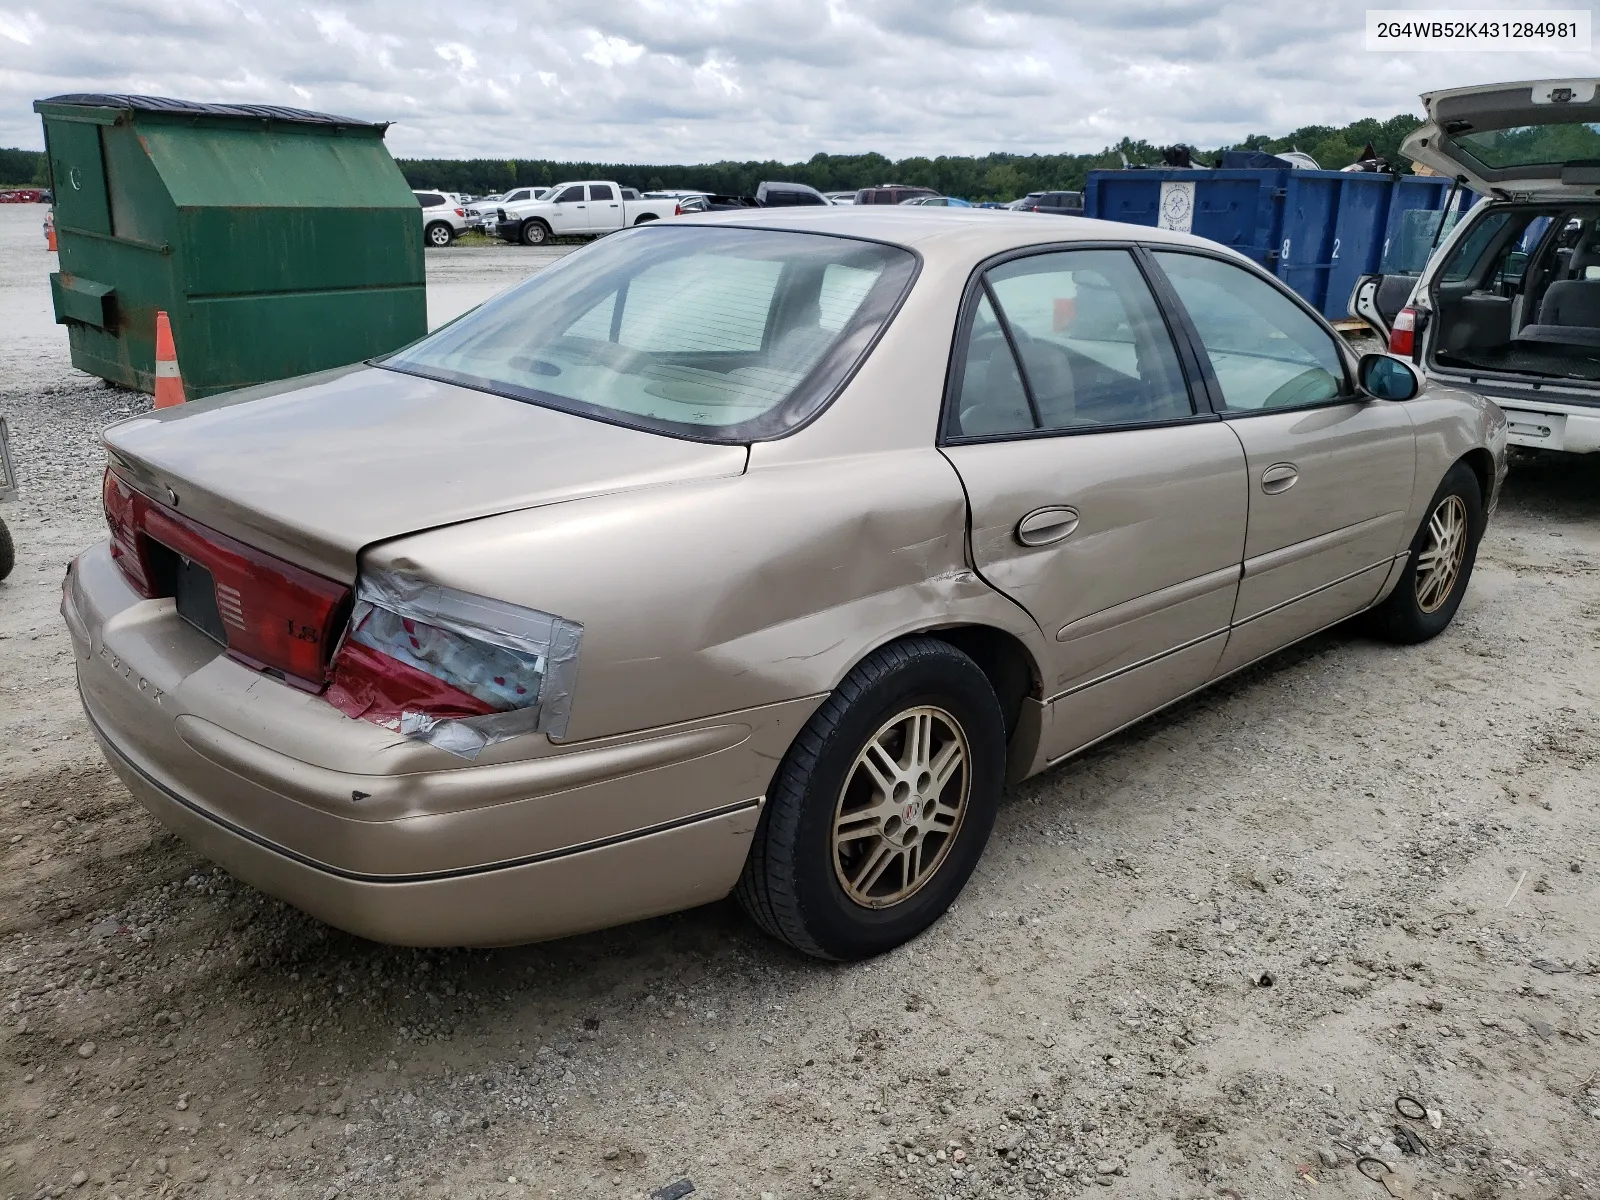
(1203, 960)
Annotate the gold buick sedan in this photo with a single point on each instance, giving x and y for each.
(751, 553)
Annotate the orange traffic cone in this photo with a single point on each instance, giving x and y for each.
(50, 232)
(169, 384)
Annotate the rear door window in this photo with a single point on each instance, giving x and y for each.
(1093, 348)
(1468, 253)
(601, 191)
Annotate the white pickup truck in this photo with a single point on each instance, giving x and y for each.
(588, 209)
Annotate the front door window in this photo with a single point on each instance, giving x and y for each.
(1266, 351)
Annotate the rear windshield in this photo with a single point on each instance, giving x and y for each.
(719, 334)
(1533, 145)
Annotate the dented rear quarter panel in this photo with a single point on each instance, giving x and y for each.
(724, 594)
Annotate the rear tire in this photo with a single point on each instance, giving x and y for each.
(8, 551)
(535, 233)
(881, 808)
(439, 234)
(1438, 566)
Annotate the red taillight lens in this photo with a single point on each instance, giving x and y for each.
(461, 212)
(1403, 333)
(677, 210)
(122, 519)
(276, 616)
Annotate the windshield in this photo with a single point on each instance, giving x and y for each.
(719, 334)
(1533, 145)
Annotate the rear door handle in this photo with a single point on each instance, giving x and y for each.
(1279, 477)
(1045, 525)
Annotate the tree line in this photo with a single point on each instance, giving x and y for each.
(985, 177)
(23, 168)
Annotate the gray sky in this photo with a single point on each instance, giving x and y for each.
(700, 80)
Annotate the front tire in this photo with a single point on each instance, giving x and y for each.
(439, 234)
(1438, 566)
(535, 233)
(881, 808)
(8, 551)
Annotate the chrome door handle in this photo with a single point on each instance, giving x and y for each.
(1279, 477)
(1045, 525)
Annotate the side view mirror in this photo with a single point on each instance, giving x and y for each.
(1387, 377)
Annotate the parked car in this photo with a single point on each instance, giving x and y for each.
(442, 217)
(936, 202)
(583, 609)
(891, 193)
(1061, 204)
(768, 195)
(1026, 202)
(839, 197)
(589, 209)
(1510, 301)
(788, 195)
(480, 213)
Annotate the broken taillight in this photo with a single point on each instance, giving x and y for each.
(274, 616)
(458, 670)
(1403, 333)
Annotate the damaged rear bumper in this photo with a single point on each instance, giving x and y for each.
(395, 840)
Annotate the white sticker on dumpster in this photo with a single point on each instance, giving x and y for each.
(1177, 206)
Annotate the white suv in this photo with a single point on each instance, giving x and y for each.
(442, 217)
(1509, 304)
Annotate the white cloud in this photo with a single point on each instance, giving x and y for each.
(698, 80)
(457, 54)
(21, 27)
(612, 51)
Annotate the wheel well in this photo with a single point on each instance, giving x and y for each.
(643, 217)
(1482, 464)
(1003, 658)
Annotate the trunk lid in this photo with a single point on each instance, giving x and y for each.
(314, 469)
(1536, 140)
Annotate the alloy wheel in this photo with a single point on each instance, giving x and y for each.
(1439, 563)
(901, 807)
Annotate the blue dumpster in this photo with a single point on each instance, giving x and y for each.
(1318, 231)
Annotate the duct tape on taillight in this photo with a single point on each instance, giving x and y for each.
(453, 669)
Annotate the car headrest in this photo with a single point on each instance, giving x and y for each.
(1585, 254)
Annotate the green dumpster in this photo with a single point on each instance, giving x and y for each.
(278, 241)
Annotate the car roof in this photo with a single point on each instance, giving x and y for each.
(958, 232)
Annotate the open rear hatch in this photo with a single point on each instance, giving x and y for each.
(1531, 140)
